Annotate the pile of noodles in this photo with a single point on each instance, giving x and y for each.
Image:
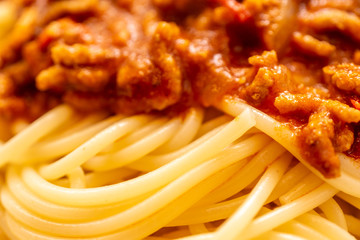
(204, 175)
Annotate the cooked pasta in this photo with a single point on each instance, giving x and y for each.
(229, 182)
(179, 119)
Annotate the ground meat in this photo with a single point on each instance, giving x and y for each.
(11, 106)
(344, 138)
(73, 7)
(35, 58)
(178, 5)
(6, 86)
(210, 77)
(338, 4)
(80, 54)
(315, 139)
(51, 78)
(87, 101)
(60, 79)
(313, 46)
(307, 103)
(357, 57)
(19, 73)
(157, 81)
(65, 30)
(241, 12)
(259, 88)
(22, 32)
(268, 58)
(333, 19)
(277, 19)
(269, 76)
(344, 76)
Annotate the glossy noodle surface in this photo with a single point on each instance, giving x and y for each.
(114, 125)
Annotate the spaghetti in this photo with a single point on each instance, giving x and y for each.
(109, 130)
(229, 172)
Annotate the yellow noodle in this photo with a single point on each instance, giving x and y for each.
(327, 228)
(76, 124)
(273, 235)
(211, 124)
(153, 222)
(38, 129)
(187, 176)
(77, 178)
(291, 210)
(246, 175)
(137, 135)
(187, 132)
(208, 213)
(134, 151)
(50, 149)
(197, 228)
(97, 179)
(234, 226)
(59, 212)
(290, 179)
(142, 184)
(353, 224)
(354, 201)
(301, 230)
(91, 147)
(152, 162)
(307, 184)
(334, 213)
(157, 201)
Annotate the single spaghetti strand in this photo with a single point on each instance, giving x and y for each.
(77, 178)
(198, 228)
(354, 224)
(334, 213)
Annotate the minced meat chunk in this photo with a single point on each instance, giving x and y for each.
(333, 19)
(315, 139)
(344, 76)
(313, 46)
(307, 103)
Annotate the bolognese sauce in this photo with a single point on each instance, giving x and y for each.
(297, 61)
